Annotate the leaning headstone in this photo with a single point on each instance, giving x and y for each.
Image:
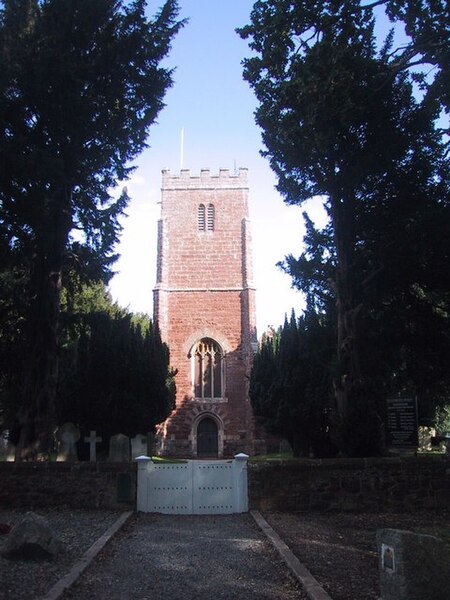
(412, 566)
(67, 437)
(119, 448)
(32, 538)
(138, 446)
(92, 440)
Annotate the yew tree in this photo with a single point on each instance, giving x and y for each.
(81, 82)
(340, 120)
(291, 384)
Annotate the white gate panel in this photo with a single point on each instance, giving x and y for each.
(193, 487)
(213, 488)
(170, 488)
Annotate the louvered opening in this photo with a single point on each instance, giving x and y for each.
(201, 217)
(210, 217)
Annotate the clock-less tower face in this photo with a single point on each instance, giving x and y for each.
(204, 303)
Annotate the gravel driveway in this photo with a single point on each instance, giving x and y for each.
(185, 558)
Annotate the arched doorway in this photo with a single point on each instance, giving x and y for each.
(207, 438)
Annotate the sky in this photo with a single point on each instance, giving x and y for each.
(212, 104)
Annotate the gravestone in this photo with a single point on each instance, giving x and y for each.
(67, 437)
(412, 566)
(138, 446)
(10, 452)
(119, 448)
(7, 450)
(92, 440)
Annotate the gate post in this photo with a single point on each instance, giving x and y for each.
(240, 484)
(142, 487)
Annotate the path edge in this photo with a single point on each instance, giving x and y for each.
(309, 583)
(68, 580)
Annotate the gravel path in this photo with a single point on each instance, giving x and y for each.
(78, 530)
(155, 557)
(340, 549)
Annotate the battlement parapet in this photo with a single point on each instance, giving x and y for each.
(223, 180)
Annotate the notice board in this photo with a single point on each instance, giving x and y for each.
(401, 428)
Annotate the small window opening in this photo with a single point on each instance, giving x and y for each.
(210, 217)
(201, 222)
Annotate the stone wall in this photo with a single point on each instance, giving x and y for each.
(354, 485)
(101, 485)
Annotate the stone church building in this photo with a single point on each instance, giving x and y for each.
(204, 303)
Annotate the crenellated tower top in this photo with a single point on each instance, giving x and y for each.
(224, 180)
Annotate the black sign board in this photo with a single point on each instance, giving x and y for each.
(401, 430)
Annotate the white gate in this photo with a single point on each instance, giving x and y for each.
(193, 487)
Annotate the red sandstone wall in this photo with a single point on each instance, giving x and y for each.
(204, 289)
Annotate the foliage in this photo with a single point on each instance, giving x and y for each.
(117, 377)
(291, 383)
(80, 85)
(340, 120)
(114, 373)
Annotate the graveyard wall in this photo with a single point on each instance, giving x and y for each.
(353, 485)
(100, 485)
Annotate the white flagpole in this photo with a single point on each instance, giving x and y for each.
(182, 148)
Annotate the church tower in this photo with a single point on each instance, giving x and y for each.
(204, 304)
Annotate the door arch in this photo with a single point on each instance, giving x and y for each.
(207, 438)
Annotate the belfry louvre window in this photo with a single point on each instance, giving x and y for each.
(208, 369)
(201, 217)
(210, 221)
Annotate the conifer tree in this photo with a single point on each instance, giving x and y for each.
(291, 384)
(80, 85)
(339, 120)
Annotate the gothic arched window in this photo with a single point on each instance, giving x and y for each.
(207, 357)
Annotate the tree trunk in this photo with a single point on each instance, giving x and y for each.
(356, 422)
(37, 416)
(348, 378)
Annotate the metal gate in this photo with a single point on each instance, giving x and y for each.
(193, 487)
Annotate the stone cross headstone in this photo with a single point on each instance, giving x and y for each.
(92, 440)
(119, 448)
(67, 437)
(138, 446)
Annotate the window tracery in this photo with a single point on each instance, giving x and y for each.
(207, 357)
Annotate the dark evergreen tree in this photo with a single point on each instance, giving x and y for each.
(340, 120)
(80, 85)
(291, 384)
(117, 376)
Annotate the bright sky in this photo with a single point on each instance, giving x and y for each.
(214, 106)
